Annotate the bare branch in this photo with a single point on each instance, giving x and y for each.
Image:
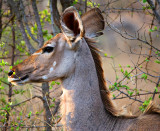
(0, 18)
(1, 29)
(25, 37)
(48, 114)
(40, 33)
(150, 2)
(131, 37)
(56, 108)
(142, 94)
(54, 26)
(158, 2)
(26, 22)
(27, 101)
(155, 89)
(56, 15)
(66, 3)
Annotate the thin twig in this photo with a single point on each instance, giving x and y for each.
(27, 101)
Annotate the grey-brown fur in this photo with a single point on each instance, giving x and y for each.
(85, 103)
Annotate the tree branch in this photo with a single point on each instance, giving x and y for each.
(150, 2)
(131, 37)
(26, 22)
(19, 19)
(54, 26)
(66, 3)
(56, 15)
(0, 19)
(12, 106)
(40, 33)
(158, 2)
(155, 89)
(48, 114)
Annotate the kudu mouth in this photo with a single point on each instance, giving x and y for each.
(16, 79)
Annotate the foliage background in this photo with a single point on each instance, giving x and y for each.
(129, 49)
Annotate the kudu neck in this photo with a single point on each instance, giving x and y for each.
(82, 106)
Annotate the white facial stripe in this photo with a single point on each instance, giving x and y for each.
(36, 53)
(44, 77)
(54, 63)
(51, 45)
(12, 79)
(51, 69)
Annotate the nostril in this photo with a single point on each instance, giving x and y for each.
(10, 73)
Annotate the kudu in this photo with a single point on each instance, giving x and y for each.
(72, 58)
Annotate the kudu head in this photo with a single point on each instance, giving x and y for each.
(55, 60)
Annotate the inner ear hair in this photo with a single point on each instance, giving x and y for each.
(71, 25)
(71, 22)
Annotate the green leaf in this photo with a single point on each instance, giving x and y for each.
(20, 113)
(128, 66)
(53, 100)
(156, 89)
(145, 104)
(1, 87)
(52, 83)
(12, 128)
(147, 60)
(157, 53)
(127, 87)
(120, 65)
(80, 13)
(29, 114)
(37, 113)
(144, 1)
(10, 67)
(157, 61)
(23, 43)
(155, 27)
(130, 93)
(105, 54)
(17, 128)
(112, 57)
(144, 76)
(58, 83)
(115, 84)
(50, 87)
(122, 70)
(16, 91)
(117, 77)
(150, 30)
(52, 105)
(126, 74)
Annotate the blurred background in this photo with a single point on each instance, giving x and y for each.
(130, 50)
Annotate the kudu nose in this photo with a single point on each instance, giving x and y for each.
(10, 73)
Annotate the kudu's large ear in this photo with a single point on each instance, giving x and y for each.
(93, 23)
(71, 25)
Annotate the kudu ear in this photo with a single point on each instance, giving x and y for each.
(93, 23)
(71, 25)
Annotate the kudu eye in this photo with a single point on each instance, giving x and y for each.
(47, 49)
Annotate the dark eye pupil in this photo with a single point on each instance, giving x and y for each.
(48, 49)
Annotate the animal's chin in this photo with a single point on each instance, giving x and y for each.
(19, 81)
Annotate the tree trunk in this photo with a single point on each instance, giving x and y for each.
(0, 19)
(46, 103)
